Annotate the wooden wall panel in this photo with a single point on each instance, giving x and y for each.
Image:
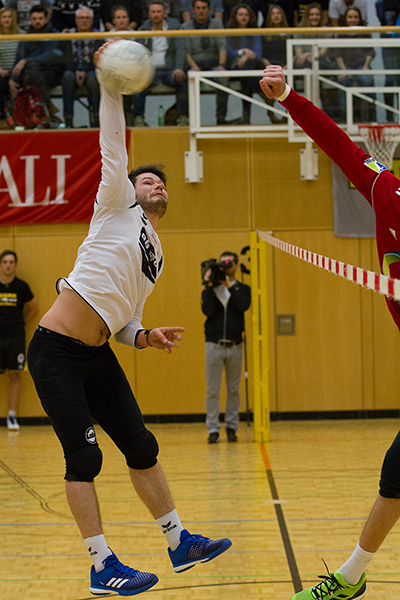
(319, 368)
(281, 199)
(221, 202)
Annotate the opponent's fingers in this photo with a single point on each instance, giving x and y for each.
(268, 91)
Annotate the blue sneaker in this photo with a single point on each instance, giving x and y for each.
(195, 549)
(116, 577)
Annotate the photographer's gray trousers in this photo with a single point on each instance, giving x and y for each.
(218, 358)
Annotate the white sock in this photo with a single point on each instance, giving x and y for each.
(171, 527)
(355, 566)
(12, 413)
(98, 550)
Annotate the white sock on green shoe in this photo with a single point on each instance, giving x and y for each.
(355, 566)
(171, 527)
(98, 550)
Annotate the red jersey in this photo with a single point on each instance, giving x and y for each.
(380, 187)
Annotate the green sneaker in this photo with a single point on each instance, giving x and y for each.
(334, 586)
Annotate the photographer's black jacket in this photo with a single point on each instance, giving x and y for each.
(221, 323)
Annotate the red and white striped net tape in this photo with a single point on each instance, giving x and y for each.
(373, 281)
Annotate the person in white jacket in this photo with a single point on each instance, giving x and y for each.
(77, 375)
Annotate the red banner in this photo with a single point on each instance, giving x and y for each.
(48, 176)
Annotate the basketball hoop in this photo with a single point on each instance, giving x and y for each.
(381, 141)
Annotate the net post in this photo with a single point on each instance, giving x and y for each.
(259, 317)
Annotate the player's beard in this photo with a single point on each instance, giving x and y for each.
(153, 207)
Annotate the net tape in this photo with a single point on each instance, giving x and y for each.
(374, 281)
(381, 141)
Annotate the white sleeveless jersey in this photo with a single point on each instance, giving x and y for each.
(121, 258)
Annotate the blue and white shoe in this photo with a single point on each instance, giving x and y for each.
(195, 549)
(116, 577)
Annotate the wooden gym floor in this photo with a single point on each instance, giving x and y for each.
(285, 505)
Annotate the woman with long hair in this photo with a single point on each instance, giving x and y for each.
(8, 52)
(274, 47)
(312, 18)
(355, 58)
(244, 53)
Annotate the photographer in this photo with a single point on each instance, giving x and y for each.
(224, 301)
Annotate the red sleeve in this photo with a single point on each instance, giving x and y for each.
(333, 141)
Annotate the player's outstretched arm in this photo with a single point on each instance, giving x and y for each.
(273, 83)
(320, 128)
(115, 188)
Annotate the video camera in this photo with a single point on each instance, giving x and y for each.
(218, 270)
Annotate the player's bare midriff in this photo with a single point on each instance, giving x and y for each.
(70, 315)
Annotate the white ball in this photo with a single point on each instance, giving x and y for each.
(126, 67)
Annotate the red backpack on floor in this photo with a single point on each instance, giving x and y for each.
(30, 110)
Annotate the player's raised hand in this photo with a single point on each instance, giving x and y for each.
(273, 83)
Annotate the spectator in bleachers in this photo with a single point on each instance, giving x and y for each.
(8, 52)
(169, 60)
(274, 48)
(80, 69)
(290, 9)
(188, 14)
(207, 53)
(120, 19)
(134, 8)
(172, 8)
(63, 16)
(259, 8)
(338, 8)
(274, 45)
(390, 11)
(38, 63)
(312, 17)
(23, 9)
(244, 52)
(304, 6)
(388, 14)
(355, 58)
(121, 22)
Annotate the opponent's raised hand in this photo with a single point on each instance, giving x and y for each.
(273, 83)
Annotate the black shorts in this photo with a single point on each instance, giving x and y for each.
(12, 354)
(78, 384)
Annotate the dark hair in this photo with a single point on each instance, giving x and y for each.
(361, 21)
(233, 24)
(118, 7)
(155, 169)
(157, 2)
(6, 253)
(39, 8)
(235, 256)
(206, 1)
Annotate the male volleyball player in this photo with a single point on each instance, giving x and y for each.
(382, 190)
(78, 377)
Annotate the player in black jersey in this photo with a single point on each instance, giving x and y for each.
(17, 307)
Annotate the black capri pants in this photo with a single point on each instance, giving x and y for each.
(78, 384)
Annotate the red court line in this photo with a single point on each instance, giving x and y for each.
(265, 457)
